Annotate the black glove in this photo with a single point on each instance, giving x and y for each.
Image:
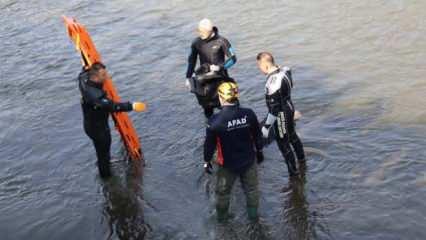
(208, 168)
(259, 156)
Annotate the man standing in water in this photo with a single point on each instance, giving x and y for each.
(235, 133)
(216, 57)
(96, 108)
(280, 116)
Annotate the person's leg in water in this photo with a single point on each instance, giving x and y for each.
(224, 183)
(294, 138)
(249, 182)
(204, 102)
(103, 152)
(213, 102)
(101, 139)
(297, 146)
(283, 142)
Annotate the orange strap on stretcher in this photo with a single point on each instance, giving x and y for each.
(90, 55)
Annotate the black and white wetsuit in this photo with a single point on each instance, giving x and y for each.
(281, 116)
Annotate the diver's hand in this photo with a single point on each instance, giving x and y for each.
(214, 68)
(265, 131)
(187, 84)
(260, 157)
(208, 168)
(139, 106)
(297, 115)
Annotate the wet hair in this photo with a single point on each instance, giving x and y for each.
(95, 68)
(267, 56)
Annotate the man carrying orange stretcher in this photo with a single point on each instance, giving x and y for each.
(97, 106)
(100, 99)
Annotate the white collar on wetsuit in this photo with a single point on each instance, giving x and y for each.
(212, 35)
(275, 69)
(274, 81)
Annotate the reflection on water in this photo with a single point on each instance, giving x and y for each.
(298, 220)
(295, 209)
(123, 207)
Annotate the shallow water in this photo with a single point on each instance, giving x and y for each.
(358, 67)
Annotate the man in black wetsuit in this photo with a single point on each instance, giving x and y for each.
(280, 116)
(216, 56)
(96, 108)
(235, 133)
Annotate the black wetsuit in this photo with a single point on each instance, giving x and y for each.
(235, 133)
(278, 99)
(96, 110)
(215, 50)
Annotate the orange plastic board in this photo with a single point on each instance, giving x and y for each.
(90, 55)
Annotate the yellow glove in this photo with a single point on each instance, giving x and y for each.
(139, 106)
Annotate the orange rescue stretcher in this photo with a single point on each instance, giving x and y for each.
(89, 55)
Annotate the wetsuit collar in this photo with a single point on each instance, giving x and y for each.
(215, 30)
(224, 107)
(93, 84)
(214, 34)
(273, 72)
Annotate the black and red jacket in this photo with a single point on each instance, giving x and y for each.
(236, 135)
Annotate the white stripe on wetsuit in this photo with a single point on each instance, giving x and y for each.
(274, 81)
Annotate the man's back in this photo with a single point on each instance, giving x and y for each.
(235, 132)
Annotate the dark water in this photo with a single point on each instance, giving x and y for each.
(359, 70)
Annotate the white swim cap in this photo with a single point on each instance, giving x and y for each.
(205, 25)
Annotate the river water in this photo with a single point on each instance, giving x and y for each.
(359, 70)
